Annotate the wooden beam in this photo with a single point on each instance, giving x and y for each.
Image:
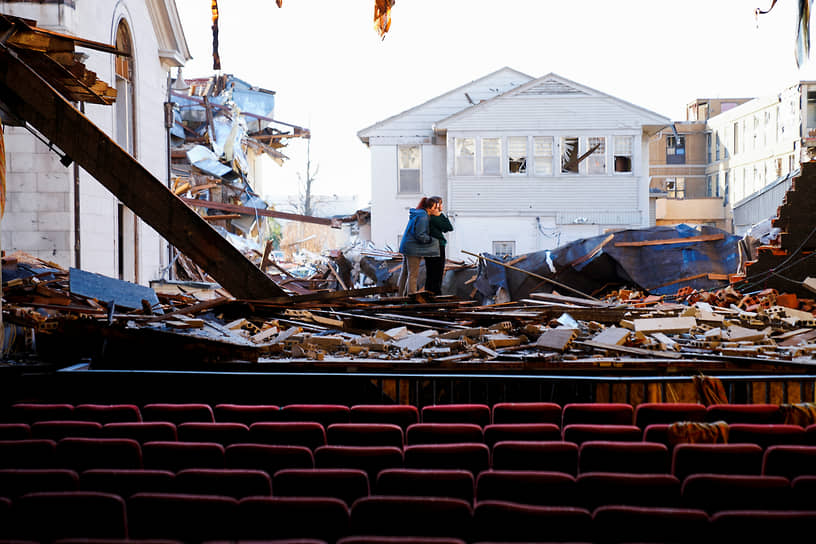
(703, 238)
(30, 98)
(248, 210)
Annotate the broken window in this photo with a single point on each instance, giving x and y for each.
(464, 156)
(410, 163)
(569, 155)
(504, 248)
(675, 149)
(716, 146)
(491, 156)
(596, 162)
(543, 155)
(676, 187)
(624, 149)
(517, 155)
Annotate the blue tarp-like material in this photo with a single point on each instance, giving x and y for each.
(601, 263)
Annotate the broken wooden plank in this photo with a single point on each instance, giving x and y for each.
(666, 241)
(553, 297)
(664, 324)
(557, 339)
(630, 350)
(612, 335)
(735, 333)
(106, 289)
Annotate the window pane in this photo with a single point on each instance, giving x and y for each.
(491, 156)
(504, 248)
(569, 155)
(543, 155)
(517, 154)
(624, 148)
(410, 162)
(465, 154)
(596, 162)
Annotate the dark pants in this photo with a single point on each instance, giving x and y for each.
(435, 269)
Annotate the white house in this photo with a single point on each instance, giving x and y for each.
(523, 164)
(60, 213)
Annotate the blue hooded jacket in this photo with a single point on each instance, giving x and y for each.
(417, 240)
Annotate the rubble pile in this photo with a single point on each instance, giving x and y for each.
(124, 322)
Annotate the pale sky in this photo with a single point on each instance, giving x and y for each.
(333, 74)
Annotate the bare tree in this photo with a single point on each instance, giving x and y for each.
(307, 204)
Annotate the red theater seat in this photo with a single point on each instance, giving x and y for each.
(346, 484)
(605, 413)
(548, 456)
(649, 413)
(716, 459)
(85, 453)
(583, 432)
(31, 412)
(222, 433)
(56, 430)
(325, 414)
(527, 487)
(501, 521)
(246, 413)
(178, 413)
(527, 412)
(608, 456)
(47, 516)
(744, 413)
(107, 413)
(364, 434)
(766, 434)
(310, 434)
(16, 482)
(15, 431)
(621, 523)
(454, 483)
(789, 461)
(717, 492)
(443, 433)
(477, 414)
(178, 516)
(237, 483)
(762, 526)
(398, 414)
(33, 453)
(269, 458)
(265, 518)
(411, 516)
(371, 459)
(635, 489)
(534, 432)
(126, 482)
(175, 456)
(474, 457)
(147, 431)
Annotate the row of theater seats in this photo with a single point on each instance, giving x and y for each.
(313, 434)
(199, 518)
(642, 415)
(557, 456)
(707, 491)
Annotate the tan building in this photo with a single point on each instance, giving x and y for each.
(681, 188)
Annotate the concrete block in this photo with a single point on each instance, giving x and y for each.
(55, 221)
(20, 203)
(21, 182)
(55, 182)
(52, 202)
(20, 162)
(21, 142)
(17, 221)
(41, 241)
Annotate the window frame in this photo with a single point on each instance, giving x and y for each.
(400, 169)
(511, 243)
(498, 157)
(616, 154)
(524, 167)
(457, 156)
(545, 159)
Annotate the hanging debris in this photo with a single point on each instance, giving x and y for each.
(216, 57)
(382, 16)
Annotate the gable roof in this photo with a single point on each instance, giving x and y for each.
(365, 133)
(551, 85)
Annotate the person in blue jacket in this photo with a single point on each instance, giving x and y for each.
(416, 243)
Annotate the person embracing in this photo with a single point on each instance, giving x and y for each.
(416, 244)
(435, 266)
